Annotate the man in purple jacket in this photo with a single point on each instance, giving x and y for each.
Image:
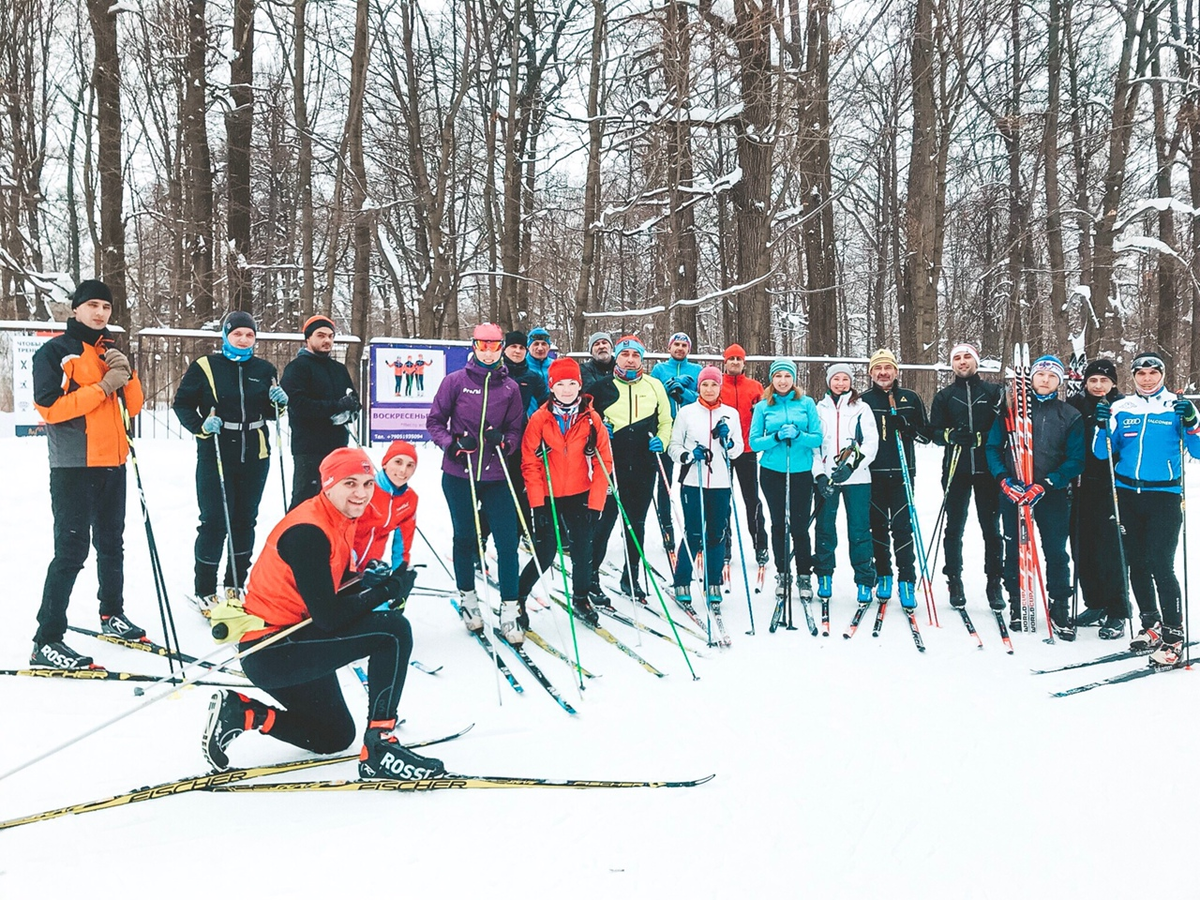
(476, 416)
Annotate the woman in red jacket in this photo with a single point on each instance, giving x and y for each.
(568, 433)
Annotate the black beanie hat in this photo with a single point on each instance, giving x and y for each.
(516, 337)
(1103, 367)
(90, 290)
(238, 319)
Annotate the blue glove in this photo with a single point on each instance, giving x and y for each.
(671, 384)
(1186, 412)
(787, 432)
(721, 431)
(212, 425)
(656, 444)
(277, 395)
(727, 443)
(608, 428)
(700, 453)
(1103, 415)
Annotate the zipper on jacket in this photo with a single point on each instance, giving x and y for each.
(245, 418)
(971, 421)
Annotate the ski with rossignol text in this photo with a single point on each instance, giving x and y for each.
(204, 782)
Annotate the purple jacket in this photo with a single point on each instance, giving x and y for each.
(459, 408)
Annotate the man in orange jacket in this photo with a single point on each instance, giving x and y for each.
(742, 392)
(79, 383)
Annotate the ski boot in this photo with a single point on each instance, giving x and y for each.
(204, 602)
(510, 611)
(1169, 654)
(1149, 638)
(683, 599)
(864, 593)
(234, 595)
(1112, 628)
(781, 585)
(231, 714)
(958, 597)
(119, 626)
(760, 557)
(1014, 614)
(804, 587)
(522, 614)
(883, 588)
(1060, 619)
(468, 609)
(598, 598)
(995, 593)
(634, 592)
(57, 655)
(908, 594)
(584, 609)
(1089, 618)
(383, 756)
(824, 586)
(713, 599)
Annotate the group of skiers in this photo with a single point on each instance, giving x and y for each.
(545, 448)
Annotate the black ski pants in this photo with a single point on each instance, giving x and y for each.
(775, 489)
(88, 505)
(576, 523)
(300, 672)
(637, 491)
(1052, 515)
(746, 469)
(987, 510)
(496, 501)
(1096, 548)
(306, 477)
(891, 525)
(1151, 521)
(244, 483)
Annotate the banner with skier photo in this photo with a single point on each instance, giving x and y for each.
(404, 376)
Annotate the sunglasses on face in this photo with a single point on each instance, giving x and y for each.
(489, 346)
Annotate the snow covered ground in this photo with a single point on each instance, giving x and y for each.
(844, 768)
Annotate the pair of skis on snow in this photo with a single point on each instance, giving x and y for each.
(1131, 675)
(235, 780)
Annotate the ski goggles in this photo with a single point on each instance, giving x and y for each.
(1148, 361)
(488, 346)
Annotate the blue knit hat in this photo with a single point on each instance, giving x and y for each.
(629, 342)
(539, 334)
(782, 364)
(1051, 364)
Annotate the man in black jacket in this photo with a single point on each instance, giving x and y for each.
(598, 371)
(900, 419)
(960, 418)
(1058, 456)
(533, 388)
(322, 402)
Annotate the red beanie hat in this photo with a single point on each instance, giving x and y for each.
(399, 448)
(564, 368)
(709, 373)
(342, 463)
(735, 350)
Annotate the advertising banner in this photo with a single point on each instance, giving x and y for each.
(27, 420)
(405, 374)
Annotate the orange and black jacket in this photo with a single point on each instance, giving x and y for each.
(571, 469)
(84, 426)
(309, 555)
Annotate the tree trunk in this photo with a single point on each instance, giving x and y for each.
(591, 191)
(682, 252)
(239, 126)
(360, 296)
(1054, 236)
(199, 177)
(304, 162)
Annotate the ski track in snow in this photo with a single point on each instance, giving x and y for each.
(844, 768)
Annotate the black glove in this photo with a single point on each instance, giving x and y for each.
(841, 472)
(543, 521)
(589, 449)
(400, 585)
(375, 574)
(964, 437)
(464, 445)
(349, 403)
(824, 488)
(493, 437)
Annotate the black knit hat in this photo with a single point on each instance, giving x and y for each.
(238, 319)
(1103, 367)
(517, 338)
(90, 290)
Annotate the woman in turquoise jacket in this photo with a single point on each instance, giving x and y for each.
(785, 429)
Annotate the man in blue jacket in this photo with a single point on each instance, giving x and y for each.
(681, 380)
(1148, 430)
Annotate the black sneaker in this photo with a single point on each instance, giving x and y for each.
(119, 626)
(1014, 619)
(995, 593)
(383, 756)
(1089, 618)
(958, 597)
(230, 714)
(760, 557)
(57, 655)
(584, 609)
(1112, 629)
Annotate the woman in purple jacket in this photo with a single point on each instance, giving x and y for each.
(476, 416)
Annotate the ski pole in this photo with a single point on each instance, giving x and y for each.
(1112, 480)
(562, 565)
(789, 547)
(225, 505)
(645, 564)
(915, 525)
(160, 580)
(662, 474)
(701, 561)
(1183, 516)
(939, 524)
(738, 528)
(479, 548)
(279, 447)
(174, 685)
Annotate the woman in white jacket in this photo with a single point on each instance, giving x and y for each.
(706, 435)
(841, 471)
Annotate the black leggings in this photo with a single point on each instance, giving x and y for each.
(300, 672)
(775, 489)
(244, 483)
(576, 522)
(1151, 521)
